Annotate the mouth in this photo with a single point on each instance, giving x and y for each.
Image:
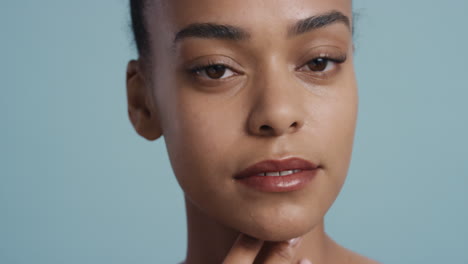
(278, 175)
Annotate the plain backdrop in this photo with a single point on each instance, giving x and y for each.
(78, 185)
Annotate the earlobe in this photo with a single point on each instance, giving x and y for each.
(141, 111)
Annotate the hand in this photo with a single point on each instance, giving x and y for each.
(246, 249)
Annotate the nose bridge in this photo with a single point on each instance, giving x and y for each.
(277, 103)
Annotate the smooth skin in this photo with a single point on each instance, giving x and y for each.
(224, 103)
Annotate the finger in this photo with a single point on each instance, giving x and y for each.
(244, 250)
(282, 252)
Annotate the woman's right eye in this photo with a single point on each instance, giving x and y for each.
(214, 72)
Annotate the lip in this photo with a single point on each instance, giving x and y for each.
(295, 181)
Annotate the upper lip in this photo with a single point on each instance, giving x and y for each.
(276, 165)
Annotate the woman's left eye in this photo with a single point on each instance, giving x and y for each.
(320, 65)
(214, 72)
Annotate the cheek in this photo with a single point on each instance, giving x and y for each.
(332, 129)
(201, 138)
(338, 124)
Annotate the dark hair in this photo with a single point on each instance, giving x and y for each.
(140, 31)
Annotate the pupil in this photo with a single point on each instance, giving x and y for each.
(215, 71)
(319, 64)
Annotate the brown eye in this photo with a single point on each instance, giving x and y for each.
(318, 64)
(215, 71)
(212, 71)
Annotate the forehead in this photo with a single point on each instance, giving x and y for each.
(169, 16)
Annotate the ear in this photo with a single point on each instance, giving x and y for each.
(141, 110)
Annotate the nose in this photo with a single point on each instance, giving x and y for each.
(277, 108)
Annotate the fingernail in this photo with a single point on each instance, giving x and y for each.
(305, 261)
(294, 241)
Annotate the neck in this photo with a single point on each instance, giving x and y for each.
(209, 241)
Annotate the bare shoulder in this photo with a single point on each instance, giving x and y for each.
(344, 255)
(355, 258)
(359, 259)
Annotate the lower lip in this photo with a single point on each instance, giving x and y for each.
(288, 183)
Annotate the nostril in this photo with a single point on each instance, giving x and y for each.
(265, 128)
(294, 125)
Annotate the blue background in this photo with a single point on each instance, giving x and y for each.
(77, 185)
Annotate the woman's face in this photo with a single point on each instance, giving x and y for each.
(240, 82)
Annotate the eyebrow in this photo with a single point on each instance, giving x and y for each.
(212, 30)
(319, 21)
(230, 32)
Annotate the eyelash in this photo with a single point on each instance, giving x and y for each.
(197, 70)
(201, 69)
(335, 60)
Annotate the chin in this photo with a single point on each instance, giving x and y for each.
(281, 225)
(279, 231)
